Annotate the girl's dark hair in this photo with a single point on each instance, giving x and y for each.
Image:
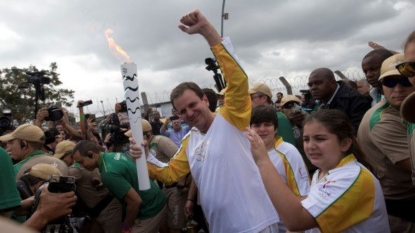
(339, 124)
(264, 113)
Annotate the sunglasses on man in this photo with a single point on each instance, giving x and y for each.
(407, 69)
(392, 82)
(288, 105)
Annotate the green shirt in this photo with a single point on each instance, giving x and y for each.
(19, 165)
(285, 129)
(9, 196)
(119, 174)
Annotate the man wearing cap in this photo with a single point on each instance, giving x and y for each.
(102, 207)
(337, 95)
(36, 176)
(383, 136)
(24, 144)
(261, 95)
(290, 104)
(51, 206)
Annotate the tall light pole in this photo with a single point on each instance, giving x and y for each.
(103, 109)
(224, 16)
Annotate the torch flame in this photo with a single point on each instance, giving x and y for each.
(116, 49)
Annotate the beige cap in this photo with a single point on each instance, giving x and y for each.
(44, 171)
(27, 132)
(407, 108)
(62, 148)
(260, 87)
(146, 127)
(290, 98)
(389, 66)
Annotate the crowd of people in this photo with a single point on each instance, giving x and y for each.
(338, 158)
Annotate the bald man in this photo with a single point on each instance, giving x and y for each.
(337, 95)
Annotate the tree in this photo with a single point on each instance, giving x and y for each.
(18, 94)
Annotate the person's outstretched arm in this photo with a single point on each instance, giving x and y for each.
(374, 45)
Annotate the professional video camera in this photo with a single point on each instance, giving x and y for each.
(114, 126)
(67, 224)
(212, 66)
(38, 78)
(6, 121)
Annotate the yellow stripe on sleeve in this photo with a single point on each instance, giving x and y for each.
(354, 206)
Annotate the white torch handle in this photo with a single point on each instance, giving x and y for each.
(131, 92)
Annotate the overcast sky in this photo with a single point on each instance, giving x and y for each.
(272, 39)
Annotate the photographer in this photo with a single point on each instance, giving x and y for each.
(61, 124)
(291, 107)
(114, 133)
(87, 124)
(51, 206)
(35, 177)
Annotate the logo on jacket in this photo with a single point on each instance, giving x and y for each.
(200, 151)
(326, 190)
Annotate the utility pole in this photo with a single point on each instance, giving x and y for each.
(225, 16)
(103, 109)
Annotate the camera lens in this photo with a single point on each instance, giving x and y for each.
(55, 114)
(4, 122)
(50, 135)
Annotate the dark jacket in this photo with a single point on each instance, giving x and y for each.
(350, 102)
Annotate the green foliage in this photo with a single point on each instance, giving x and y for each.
(21, 100)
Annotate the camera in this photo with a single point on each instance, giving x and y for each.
(123, 106)
(50, 135)
(60, 184)
(211, 65)
(85, 103)
(37, 78)
(114, 127)
(6, 121)
(55, 113)
(173, 118)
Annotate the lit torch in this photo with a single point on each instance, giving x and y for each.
(131, 92)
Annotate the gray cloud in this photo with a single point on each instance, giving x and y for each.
(272, 39)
